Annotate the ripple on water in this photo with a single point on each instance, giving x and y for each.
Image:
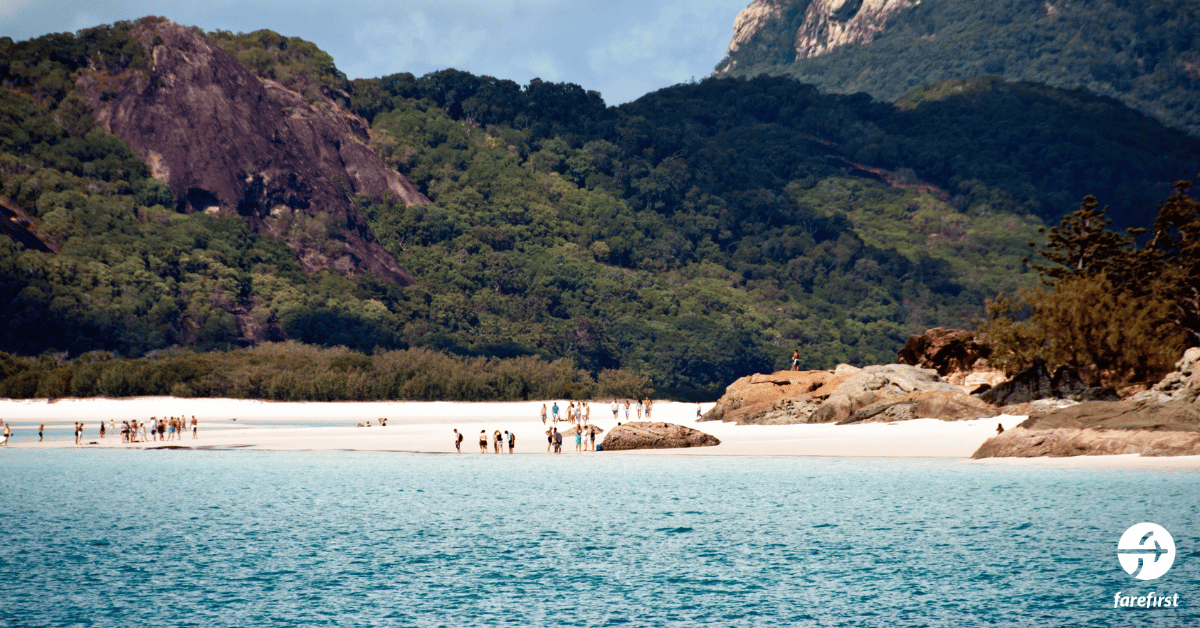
(117, 538)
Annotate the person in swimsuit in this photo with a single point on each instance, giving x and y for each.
(578, 440)
(512, 441)
(796, 360)
(615, 408)
(102, 429)
(592, 438)
(557, 441)
(549, 440)
(194, 428)
(483, 441)
(42, 428)
(543, 414)
(497, 440)
(457, 441)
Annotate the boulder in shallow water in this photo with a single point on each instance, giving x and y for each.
(655, 435)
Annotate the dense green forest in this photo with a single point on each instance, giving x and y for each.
(693, 236)
(1146, 53)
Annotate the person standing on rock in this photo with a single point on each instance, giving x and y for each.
(796, 360)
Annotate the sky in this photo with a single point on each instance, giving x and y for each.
(620, 48)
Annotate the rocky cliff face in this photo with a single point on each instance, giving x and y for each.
(832, 23)
(826, 24)
(751, 19)
(227, 142)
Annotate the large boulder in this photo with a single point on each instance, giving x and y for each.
(944, 350)
(875, 384)
(940, 404)
(1181, 385)
(1036, 382)
(772, 398)
(655, 435)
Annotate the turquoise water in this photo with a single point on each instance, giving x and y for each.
(218, 538)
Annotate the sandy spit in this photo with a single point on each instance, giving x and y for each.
(426, 427)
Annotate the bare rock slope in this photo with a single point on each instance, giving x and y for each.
(227, 142)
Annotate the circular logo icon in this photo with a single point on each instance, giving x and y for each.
(1146, 551)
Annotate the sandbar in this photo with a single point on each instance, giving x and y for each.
(426, 427)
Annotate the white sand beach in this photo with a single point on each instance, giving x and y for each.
(426, 427)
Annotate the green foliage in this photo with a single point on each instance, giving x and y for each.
(680, 241)
(295, 63)
(1116, 312)
(1142, 53)
(295, 372)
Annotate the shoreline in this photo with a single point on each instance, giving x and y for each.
(426, 427)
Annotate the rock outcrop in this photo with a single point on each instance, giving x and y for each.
(751, 19)
(847, 395)
(1096, 428)
(1022, 443)
(832, 23)
(947, 406)
(227, 142)
(1163, 421)
(653, 435)
(958, 356)
(776, 398)
(1036, 382)
(1181, 385)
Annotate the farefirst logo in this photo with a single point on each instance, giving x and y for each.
(1150, 600)
(1146, 551)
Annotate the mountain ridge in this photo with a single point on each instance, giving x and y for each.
(1146, 54)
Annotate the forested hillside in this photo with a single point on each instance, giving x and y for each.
(695, 235)
(1146, 53)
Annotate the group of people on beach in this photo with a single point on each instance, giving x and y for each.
(497, 440)
(581, 413)
(643, 407)
(169, 428)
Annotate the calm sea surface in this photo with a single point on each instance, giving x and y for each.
(220, 538)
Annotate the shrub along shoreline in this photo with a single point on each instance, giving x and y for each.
(292, 371)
